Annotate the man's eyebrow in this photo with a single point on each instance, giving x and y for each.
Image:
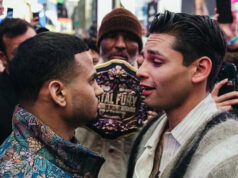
(153, 52)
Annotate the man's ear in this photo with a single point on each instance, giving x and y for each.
(201, 69)
(57, 92)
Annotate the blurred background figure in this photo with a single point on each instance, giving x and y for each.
(91, 42)
(40, 29)
(200, 7)
(1, 13)
(229, 100)
(13, 31)
(92, 31)
(1, 7)
(226, 99)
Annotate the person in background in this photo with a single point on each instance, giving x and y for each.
(92, 30)
(57, 92)
(1, 7)
(228, 100)
(200, 7)
(13, 31)
(119, 37)
(36, 23)
(93, 49)
(1, 13)
(193, 139)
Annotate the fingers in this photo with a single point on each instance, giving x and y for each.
(217, 87)
(225, 108)
(227, 96)
(234, 16)
(230, 101)
(215, 11)
(227, 100)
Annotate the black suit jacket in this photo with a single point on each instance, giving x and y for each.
(8, 101)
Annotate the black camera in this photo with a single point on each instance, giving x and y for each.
(228, 71)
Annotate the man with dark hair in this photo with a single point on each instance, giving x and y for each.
(183, 55)
(119, 37)
(55, 88)
(13, 31)
(93, 49)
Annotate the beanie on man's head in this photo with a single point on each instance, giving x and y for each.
(120, 19)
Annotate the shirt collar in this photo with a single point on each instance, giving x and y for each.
(194, 119)
(187, 126)
(153, 141)
(38, 138)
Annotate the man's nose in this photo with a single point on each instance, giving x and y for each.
(142, 71)
(120, 41)
(98, 90)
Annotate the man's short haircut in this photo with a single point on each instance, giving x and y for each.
(195, 36)
(92, 44)
(45, 57)
(11, 28)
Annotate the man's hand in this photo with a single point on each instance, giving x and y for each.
(225, 101)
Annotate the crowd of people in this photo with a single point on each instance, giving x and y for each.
(49, 95)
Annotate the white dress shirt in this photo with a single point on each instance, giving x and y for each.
(173, 140)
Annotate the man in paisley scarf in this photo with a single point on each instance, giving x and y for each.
(55, 82)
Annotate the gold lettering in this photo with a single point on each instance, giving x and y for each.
(134, 99)
(129, 100)
(111, 97)
(118, 99)
(101, 98)
(108, 98)
(123, 100)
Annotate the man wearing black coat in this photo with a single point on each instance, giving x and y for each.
(12, 32)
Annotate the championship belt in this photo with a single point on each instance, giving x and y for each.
(122, 110)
